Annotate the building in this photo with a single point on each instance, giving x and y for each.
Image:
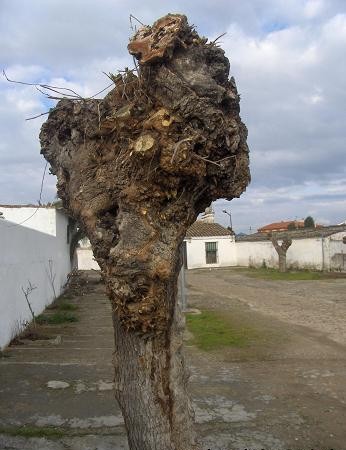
(209, 244)
(206, 244)
(281, 226)
(284, 226)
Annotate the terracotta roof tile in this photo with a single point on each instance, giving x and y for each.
(302, 233)
(204, 229)
(283, 225)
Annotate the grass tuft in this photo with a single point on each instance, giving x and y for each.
(30, 431)
(212, 332)
(274, 274)
(65, 306)
(56, 318)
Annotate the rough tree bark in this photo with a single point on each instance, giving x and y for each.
(135, 169)
(281, 250)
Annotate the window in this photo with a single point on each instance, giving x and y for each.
(211, 252)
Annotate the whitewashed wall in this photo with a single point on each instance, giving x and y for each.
(195, 249)
(86, 260)
(39, 219)
(254, 253)
(303, 253)
(317, 253)
(336, 251)
(26, 256)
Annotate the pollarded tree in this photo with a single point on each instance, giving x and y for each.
(135, 169)
(281, 250)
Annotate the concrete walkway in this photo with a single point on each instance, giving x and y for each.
(64, 382)
(284, 392)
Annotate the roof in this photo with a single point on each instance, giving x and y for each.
(283, 225)
(302, 233)
(204, 229)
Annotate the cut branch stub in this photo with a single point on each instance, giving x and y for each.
(136, 168)
(151, 44)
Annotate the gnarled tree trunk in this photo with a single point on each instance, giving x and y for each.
(135, 169)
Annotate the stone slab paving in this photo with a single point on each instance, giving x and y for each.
(287, 391)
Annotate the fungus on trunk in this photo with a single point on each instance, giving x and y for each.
(135, 169)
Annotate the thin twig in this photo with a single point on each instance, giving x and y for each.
(38, 115)
(176, 148)
(216, 163)
(51, 276)
(99, 115)
(45, 86)
(134, 17)
(219, 37)
(227, 157)
(100, 92)
(39, 202)
(137, 69)
(26, 293)
(206, 160)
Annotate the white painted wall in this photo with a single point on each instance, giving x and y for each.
(196, 257)
(336, 250)
(39, 219)
(327, 253)
(25, 256)
(250, 254)
(303, 253)
(86, 260)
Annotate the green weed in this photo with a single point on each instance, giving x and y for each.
(30, 431)
(56, 318)
(211, 331)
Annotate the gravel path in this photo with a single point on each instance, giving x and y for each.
(319, 305)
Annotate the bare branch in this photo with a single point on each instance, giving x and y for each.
(45, 86)
(104, 89)
(38, 115)
(133, 17)
(219, 37)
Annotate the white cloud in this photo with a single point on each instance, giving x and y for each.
(287, 58)
(313, 8)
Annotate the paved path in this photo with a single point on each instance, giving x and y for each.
(64, 382)
(287, 391)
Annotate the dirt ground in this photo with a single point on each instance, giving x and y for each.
(284, 391)
(290, 382)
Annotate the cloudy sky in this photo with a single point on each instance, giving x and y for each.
(289, 61)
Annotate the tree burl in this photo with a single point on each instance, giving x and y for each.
(135, 169)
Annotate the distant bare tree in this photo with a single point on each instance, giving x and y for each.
(281, 250)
